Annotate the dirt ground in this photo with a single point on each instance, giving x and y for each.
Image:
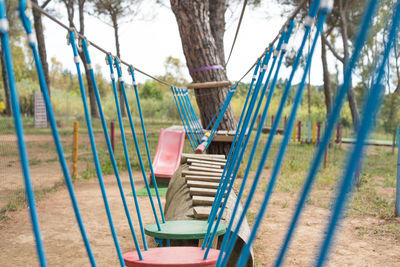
(63, 244)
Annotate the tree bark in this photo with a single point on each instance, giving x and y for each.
(351, 95)
(5, 85)
(117, 46)
(217, 25)
(327, 82)
(37, 23)
(94, 112)
(201, 50)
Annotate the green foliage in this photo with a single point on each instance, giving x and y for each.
(150, 90)
(26, 90)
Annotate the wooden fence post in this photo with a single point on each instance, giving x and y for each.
(112, 136)
(75, 150)
(285, 123)
(318, 131)
(338, 134)
(299, 132)
(314, 127)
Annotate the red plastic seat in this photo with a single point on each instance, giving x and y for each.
(171, 256)
(168, 153)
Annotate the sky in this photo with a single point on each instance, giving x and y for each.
(146, 43)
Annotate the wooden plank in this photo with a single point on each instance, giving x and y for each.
(206, 162)
(214, 156)
(222, 132)
(219, 158)
(203, 178)
(232, 132)
(202, 201)
(202, 184)
(201, 212)
(195, 173)
(214, 84)
(223, 138)
(197, 191)
(194, 168)
(206, 165)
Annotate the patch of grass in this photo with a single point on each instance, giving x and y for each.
(34, 161)
(18, 201)
(251, 216)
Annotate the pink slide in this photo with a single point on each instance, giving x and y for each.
(168, 153)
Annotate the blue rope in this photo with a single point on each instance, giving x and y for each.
(254, 148)
(231, 92)
(224, 177)
(19, 129)
(246, 249)
(182, 119)
(122, 84)
(239, 131)
(234, 168)
(191, 119)
(94, 149)
(127, 159)
(332, 120)
(214, 129)
(285, 95)
(215, 114)
(196, 119)
(109, 146)
(194, 140)
(370, 108)
(244, 110)
(146, 142)
(187, 115)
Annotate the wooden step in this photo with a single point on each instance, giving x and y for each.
(203, 178)
(205, 165)
(195, 173)
(218, 163)
(202, 184)
(201, 212)
(202, 201)
(197, 191)
(212, 170)
(219, 158)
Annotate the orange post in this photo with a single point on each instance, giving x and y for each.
(294, 133)
(75, 150)
(314, 129)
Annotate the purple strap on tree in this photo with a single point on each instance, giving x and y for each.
(213, 67)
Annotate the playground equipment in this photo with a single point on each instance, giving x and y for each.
(168, 153)
(208, 256)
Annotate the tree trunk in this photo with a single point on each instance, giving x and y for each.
(217, 24)
(6, 86)
(201, 49)
(37, 22)
(94, 112)
(351, 95)
(327, 82)
(117, 46)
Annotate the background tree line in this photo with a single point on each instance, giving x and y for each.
(336, 46)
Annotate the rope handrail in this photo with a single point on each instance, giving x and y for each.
(237, 31)
(81, 36)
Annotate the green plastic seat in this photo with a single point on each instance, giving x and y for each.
(184, 229)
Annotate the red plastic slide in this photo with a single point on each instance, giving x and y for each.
(168, 154)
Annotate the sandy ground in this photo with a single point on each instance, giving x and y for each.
(64, 246)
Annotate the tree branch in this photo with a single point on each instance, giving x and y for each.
(329, 45)
(45, 4)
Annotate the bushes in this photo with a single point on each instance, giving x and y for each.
(26, 89)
